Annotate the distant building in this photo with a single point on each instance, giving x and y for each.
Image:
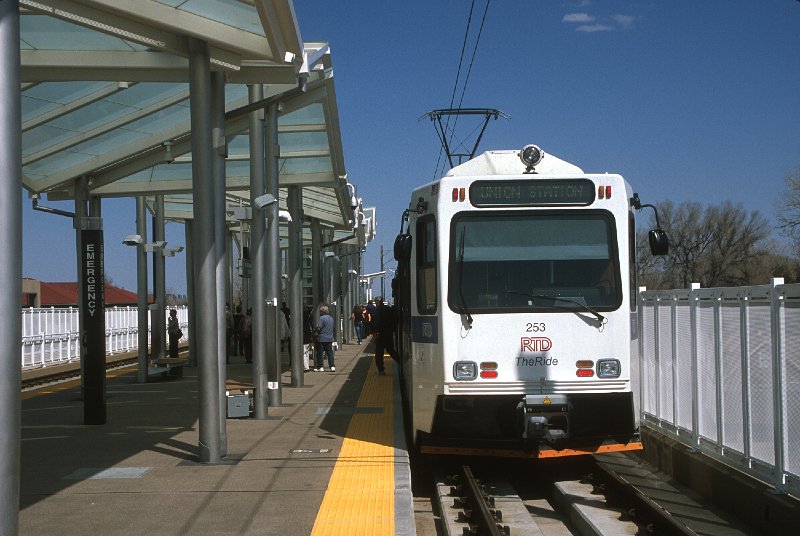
(41, 294)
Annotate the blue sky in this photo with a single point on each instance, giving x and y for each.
(688, 100)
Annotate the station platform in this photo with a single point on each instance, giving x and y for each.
(330, 460)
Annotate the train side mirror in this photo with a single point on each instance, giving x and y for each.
(659, 242)
(402, 247)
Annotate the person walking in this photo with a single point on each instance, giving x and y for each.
(324, 333)
(384, 322)
(358, 322)
(174, 332)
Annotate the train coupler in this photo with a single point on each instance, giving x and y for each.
(545, 417)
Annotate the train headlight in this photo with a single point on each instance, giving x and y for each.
(465, 370)
(531, 155)
(608, 368)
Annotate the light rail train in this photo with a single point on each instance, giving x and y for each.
(516, 302)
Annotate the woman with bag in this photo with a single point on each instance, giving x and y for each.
(174, 332)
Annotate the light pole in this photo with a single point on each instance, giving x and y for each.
(383, 270)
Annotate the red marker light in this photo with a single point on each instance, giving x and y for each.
(608, 192)
(489, 374)
(584, 373)
(455, 194)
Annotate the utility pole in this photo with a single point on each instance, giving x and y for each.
(383, 284)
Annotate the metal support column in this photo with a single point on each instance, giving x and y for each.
(190, 293)
(347, 292)
(11, 265)
(258, 275)
(273, 247)
(80, 213)
(206, 262)
(245, 266)
(295, 267)
(158, 316)
(91, 309)
(220, 246)
(316, 264)
(141, 290)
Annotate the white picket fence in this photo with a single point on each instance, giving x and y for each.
(720, 372)
(50, 335)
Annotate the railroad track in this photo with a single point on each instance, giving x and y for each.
(66, 372)
(605, 495)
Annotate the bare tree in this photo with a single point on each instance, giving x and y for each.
(788, 209)
(740, 243)
(720, 245)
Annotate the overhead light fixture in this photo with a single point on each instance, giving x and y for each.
(170, 252)
(132, 240)
(264, 200)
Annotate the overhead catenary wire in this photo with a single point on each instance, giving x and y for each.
(472, 59)
(458, 75)
(455, 84)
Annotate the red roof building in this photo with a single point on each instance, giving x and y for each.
(42, 294)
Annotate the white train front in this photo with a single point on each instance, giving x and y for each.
(515, 294)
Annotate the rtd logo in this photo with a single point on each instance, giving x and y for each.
(535, 344)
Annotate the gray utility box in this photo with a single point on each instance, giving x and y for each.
(238, 405)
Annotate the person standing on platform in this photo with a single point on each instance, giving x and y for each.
(287, 340)
(283, 332)
(308, 338)
(324, 333)
(383, 323)
(238, 317)
(174, 332)
(247, 336)
(228, 333)
(358, 322)
(369, 317)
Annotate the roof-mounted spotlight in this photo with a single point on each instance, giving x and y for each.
(531, 155)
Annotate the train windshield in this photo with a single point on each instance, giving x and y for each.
(523, 261)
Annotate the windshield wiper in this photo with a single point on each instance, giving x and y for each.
(600, 318)
(460, 256)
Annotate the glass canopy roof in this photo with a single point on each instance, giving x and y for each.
(105, 95)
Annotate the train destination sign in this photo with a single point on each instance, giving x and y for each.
(532, 192)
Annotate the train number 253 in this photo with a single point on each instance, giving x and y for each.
(534, 327)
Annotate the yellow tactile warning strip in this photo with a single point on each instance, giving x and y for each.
(361, 491)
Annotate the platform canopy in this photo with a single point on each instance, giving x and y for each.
(105, 96)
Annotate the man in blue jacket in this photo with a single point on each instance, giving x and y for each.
(324, 332)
